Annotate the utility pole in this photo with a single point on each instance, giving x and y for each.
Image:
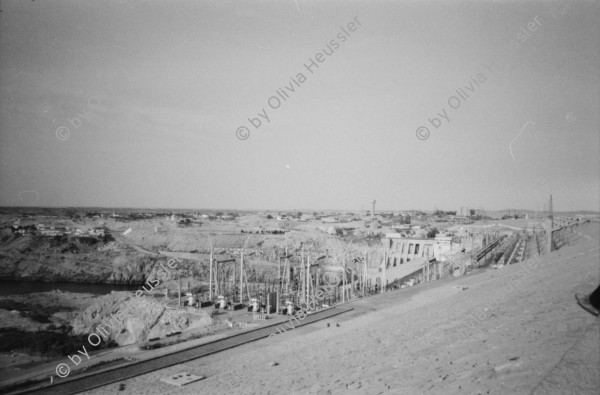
(210, 278)
(241, 275)
(365, 273)
(302, 275)
(242, 270)
(344, 279)
(550, 226)
(286, 269)
(232, 283)
(308, 279)
(215, 282)
(551, 216)
(383, 279)
(278, 279)
(359, 274)
(210, 282)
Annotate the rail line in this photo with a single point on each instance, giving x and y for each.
(119, 373)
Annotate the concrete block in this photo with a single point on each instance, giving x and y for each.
(181, 379)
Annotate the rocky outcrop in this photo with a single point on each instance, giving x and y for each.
(128, 320)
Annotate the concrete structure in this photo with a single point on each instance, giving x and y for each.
(391, 273)
(403, 257)
(404, 249)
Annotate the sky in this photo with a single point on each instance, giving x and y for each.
(235, 104)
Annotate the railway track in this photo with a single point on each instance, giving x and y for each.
(118, 373)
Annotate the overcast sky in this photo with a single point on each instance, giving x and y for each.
(137, 103)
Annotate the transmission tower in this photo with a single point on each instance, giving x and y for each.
(551, 214)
